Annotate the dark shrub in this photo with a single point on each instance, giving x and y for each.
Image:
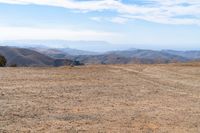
(77, 63)
(2, 61)
(13, 65)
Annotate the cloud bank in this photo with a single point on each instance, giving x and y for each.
(21, 33)
(158, 11)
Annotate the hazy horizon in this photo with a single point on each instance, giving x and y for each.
(93, 46)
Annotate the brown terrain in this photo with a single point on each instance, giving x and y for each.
(101, 99)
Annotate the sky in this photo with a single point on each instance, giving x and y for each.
(162, 24)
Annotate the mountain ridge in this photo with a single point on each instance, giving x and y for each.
(130, 56)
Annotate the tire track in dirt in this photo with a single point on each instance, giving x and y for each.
(169, 86)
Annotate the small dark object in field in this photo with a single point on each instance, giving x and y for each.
(13, 65)
(76, 63)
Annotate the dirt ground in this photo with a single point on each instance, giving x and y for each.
(101, 99)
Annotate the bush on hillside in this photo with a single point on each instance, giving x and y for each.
(77, 63)
(13, 65)
(2, 61)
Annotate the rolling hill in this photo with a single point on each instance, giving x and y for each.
(132, 57)
(27, 57)
(192, 55)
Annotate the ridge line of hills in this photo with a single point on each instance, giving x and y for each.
(37, 56)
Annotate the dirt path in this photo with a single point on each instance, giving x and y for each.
(160, 75)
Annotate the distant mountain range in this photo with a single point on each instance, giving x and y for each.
(123, 57)
(44, 56)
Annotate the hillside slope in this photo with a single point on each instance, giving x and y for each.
(27, 57)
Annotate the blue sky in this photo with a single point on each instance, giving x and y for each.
(173, 24)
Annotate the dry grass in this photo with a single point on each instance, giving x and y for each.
(118, 98)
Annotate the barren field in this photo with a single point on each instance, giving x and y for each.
(112, 98)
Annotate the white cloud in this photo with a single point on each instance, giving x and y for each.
(98, 19)
(119, 20)
(160, 11)
(21, 33)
